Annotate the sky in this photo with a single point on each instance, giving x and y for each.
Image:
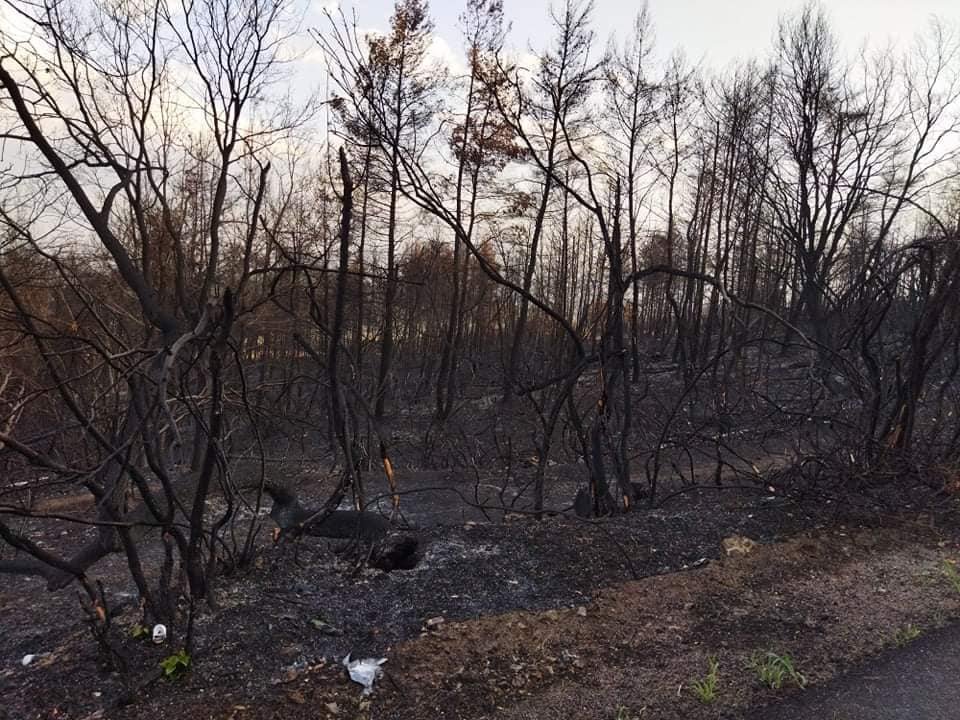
(716, 32)
(712, 33)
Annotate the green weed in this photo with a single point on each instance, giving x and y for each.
(949, 570)
(705, 689)
(775, 670)
(139, 632)
(906, 634)
(175, 665)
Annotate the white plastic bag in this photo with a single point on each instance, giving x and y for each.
(365, 672)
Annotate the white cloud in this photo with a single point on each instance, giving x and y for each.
(443, 55)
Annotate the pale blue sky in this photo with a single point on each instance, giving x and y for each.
(717, 31)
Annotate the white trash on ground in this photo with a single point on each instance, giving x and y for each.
(365, 672)
(159, 633)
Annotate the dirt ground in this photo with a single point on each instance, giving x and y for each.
(516, 618)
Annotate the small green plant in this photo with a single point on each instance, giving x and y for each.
(139, 632)
(175, 665)
(774, 670)
(705, 689)
(949, 570)
(906, 634)
(623, 713)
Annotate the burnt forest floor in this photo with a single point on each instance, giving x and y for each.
(561, 618)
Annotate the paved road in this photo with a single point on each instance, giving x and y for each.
(918, 682)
